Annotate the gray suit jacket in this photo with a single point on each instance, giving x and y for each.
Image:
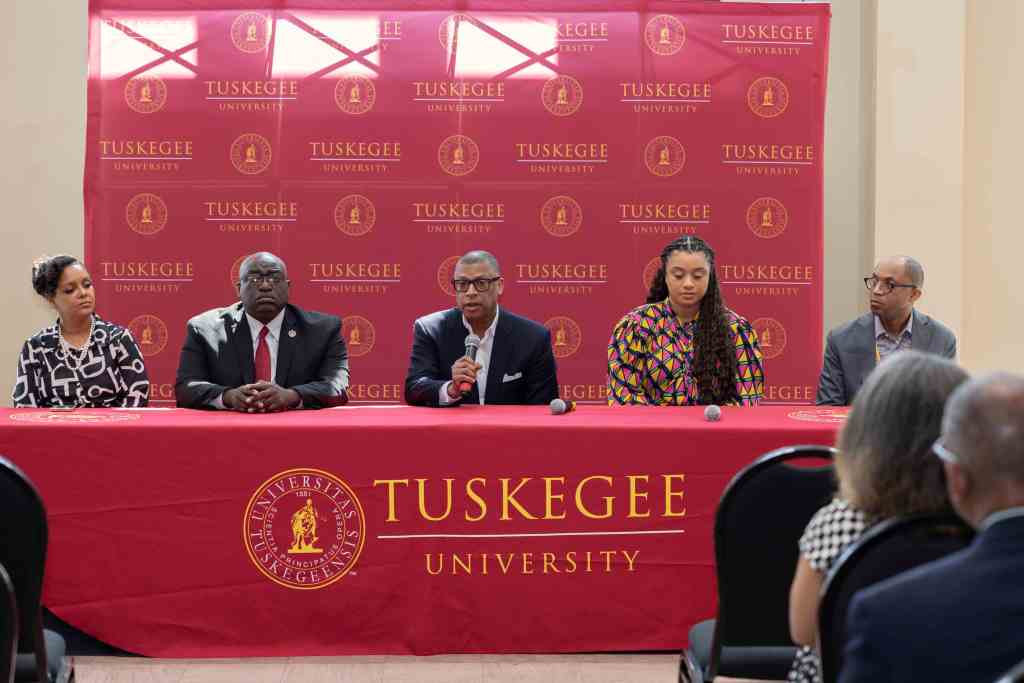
(217, 355)
(850, 354)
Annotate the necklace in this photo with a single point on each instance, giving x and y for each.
(75, 356)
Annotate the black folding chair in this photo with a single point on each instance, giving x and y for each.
(759, 521)
(890, 548)
(8, 627)
(1014, 675)
(23, 540)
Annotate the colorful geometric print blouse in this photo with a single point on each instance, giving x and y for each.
(650, 359)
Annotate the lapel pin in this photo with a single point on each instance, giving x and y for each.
(291, 333)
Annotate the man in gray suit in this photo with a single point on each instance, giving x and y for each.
(855, 348)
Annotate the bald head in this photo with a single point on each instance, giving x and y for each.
(984, 426)
(261, 257)
(912, 269)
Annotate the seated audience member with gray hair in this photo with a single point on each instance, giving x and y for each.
(885, 469)
(854, 349)
(960, 618)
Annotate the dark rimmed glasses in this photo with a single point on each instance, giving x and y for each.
(272, 279)
(873, 281)
(481, 284)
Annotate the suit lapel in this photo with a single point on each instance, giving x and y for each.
(285, 347)
(240, 340)
(921, 334)
(500, 349)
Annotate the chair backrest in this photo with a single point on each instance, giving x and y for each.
(1014, 675)
(759, 521)
(887, 549)
(23, 539)
(8, 627)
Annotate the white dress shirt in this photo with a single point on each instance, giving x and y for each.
(273, 337)
(483, 357)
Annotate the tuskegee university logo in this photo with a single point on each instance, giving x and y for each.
(664, 35)
(458, 155)
(448, 29)
(566, 336)
(650, 270)
(664, 156)
(145, 94)
(304, 528)
(146, 213)
(74, 418)
(562, 95)
(150, 334)
(768, 97)
(445, 273)
(359, 335)
(823, 415)
(561, 216)
(355, 94)
(771, 336)
(251, 154)
(355, 215)
(767, 217)
(250, 32)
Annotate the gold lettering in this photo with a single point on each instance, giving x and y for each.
(670, 494)
(422, 494)
(392, 514)
(608, 500)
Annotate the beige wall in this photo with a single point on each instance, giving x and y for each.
(907, 166)
(918, 181)
(993, 239)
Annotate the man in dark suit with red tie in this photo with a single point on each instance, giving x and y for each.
(514, 363)
(263, 354)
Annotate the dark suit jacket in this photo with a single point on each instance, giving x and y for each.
(218, 355)
(850, 354)
(522, 367)
(957, 619)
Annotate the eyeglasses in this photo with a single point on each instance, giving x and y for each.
(272, 279)
(887, 285)
(944, 453)
(481, 284)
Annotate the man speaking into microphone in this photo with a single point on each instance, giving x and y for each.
(478, 352)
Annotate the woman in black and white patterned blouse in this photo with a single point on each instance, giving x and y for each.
(886, 469)
(81, 360)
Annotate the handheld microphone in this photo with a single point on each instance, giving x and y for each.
(560, 407)
(712, 414)
(472, 346)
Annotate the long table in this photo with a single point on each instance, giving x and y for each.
(373, 530)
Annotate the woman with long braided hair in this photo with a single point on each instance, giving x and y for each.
(684, 347)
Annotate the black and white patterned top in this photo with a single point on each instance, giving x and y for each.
(111, 372)
(831, 530)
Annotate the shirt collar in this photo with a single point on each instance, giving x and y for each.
(275, 325)
(908, 330)
(489, 333)
(1001, 515)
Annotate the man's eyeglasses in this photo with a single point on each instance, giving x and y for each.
(481, 284)
(273, 279)
(944, 453)
(887, 285)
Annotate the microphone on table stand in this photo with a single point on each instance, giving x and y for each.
(712, 414)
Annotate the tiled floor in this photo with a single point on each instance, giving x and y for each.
(657, 668)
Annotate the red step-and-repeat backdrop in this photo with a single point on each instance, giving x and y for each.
(370, 147)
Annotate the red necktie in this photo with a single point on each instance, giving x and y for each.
(263, 357)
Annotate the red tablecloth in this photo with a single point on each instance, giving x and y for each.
(188, 534)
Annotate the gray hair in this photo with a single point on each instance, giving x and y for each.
(885, 456)
(913, 270)
(251, 258)
(481, 256)
(984, 425)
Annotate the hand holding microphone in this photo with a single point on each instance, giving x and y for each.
(464, 369)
